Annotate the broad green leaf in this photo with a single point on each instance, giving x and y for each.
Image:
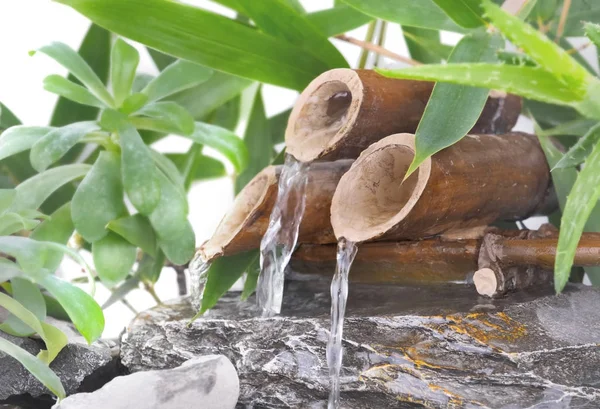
(76, 65)
(149, 268)
(205, 38)
(180, 250)
(222, 274)
(544, 10)
(55, 309)
(281, 21)
(170, 170)
(124, 60)
(227, 115)
(580, 150)
(37, 367)
(424, 45)
(338, 20)
(56, 143)
(141, 81)
(252, 273)
(30, 255)
(422, 13)
(453, 109)
(161, 60)
(580, 204)
(172, 113)
(549, 115)
(136, 230)
(526, 9)
(11, 223)
(203, 167)
(8, 270)
(95, 50)
(465, 13)
(221, 139)
(203, 99)
(7, 118)
(580, 10)
(27, 294)
(566, 45)
(122, 291)
(20, 138)
(133, 103)
(592, 31)
(15, 168)
(530, 82)
(114, 258)
(139, 171)
(99, 198)
(535, 44)
(35, 190)
(54, 338)
(84, 312)
(7, 196)
(577, 127)
(515, 58)
(177, 77)
(57, 229)
(68, 89)
(258, 142)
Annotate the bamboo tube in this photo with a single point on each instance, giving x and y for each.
(343, 111)
(476, 181)
(429, 261)
(244, 225)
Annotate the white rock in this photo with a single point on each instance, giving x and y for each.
(208, 382)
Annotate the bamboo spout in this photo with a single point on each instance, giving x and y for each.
(478, 180)
(344, 111)
(244, 225)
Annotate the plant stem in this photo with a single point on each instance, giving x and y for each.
(150, 290)
(364, 54)
(563, 19)
(377, 49)
(381, 40)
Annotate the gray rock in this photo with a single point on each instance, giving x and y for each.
(436, 347)
(208, 382)
(81, 367)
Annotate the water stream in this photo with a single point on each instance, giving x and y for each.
(198, 275)
(281, 237)
(339, 294)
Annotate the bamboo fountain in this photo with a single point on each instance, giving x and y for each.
(351, 136)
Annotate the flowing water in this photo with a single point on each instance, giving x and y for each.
(339, 294)
(198, 275)
(281, 237)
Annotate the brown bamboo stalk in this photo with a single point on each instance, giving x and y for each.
(344, 111)
(246, 222)
(478, 180)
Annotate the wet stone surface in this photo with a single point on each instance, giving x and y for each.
(437, 347)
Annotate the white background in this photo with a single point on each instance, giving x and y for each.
(30, 24)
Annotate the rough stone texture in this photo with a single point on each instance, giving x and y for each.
(81, 367)
(208, 382)
(441, 347)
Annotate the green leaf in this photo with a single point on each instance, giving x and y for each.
(35, 190)
(114, 258)
(577, 127)
(8, 270)
(465, 13)
(57, 229)
(210, 95)
(277, 124)
(95, 50)
(99, 198)
(511, 58)
(253, 271)
(424, 45)
(161, 60)
(338, 20)
(281, 21)
(203, 167)
(70, 90)
(258, 142)
(222, 274)
(139, 172)
(133, 103)
(422, 13)
(170, 170)
(124, 60)
(179, 250)
(562, 179)
(11, 223)
(580, 204)
(136, 230)
(172, 113)
(530, 82)
(56, 143)
(140, 82)
(84, 312)
(20, 138)
(177, 77)
(535, 44)
(581, 10)
(76, 65)
(227, 115)
(205, 38)
(580, 150)
(27, 294)
(34, 365)
(453, 109)
(149, 268)
(7, 197)
(30, 255)
(592, 31)
(7, 118)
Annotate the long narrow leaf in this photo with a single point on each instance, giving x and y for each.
(28, 294)
(30, 255)
(179, 76)
(580, 150)
(123, 65)
(68, 58)
(338, 20)
(57, 229)
(20, 138)
(172, 113)
(34, 365)
(72, 91)
(465, 13)
(205, 38)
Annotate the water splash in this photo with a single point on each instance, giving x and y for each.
(339, 294)
(281, 237)
(198, 275)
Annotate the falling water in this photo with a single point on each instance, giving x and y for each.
(281, 237)
(198, 275)
(339, 294)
